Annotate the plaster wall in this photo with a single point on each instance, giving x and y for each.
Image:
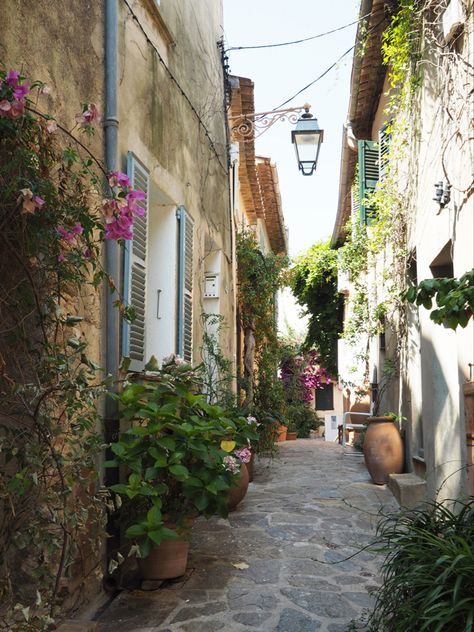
(172, 117)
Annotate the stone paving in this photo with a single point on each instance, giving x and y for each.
(278, 563)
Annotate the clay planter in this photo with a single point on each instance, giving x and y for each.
(166, 560)
(291, 436)
(281, 433)
(383, 449)
(238, 492)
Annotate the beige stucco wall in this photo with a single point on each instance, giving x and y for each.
(67, 55)
(173, 121)
(429, 389)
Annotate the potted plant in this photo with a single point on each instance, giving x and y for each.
(175, 457)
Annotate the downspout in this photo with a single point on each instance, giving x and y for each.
(112, 257)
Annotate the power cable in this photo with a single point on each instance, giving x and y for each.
(323, 74)
(300, 41)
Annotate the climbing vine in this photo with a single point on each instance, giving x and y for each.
(53, 219)
(260, 276)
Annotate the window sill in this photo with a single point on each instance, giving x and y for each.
(164, 31)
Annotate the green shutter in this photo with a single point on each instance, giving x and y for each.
(384, 149)
(368, 177)
(135, 262)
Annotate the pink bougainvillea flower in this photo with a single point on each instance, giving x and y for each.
(12, 78)
(21, 91)
(61, 257)
(132, 198)
(5, 107)
(51, 127)
(89, 116)
(87, 253)
(117, 178)
(77, 229)
(231, 464)
(64, 234)
(38, 201)
(18, 109)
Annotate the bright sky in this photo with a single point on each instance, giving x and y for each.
(309, 203)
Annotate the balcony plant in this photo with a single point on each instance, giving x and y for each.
(175, 456)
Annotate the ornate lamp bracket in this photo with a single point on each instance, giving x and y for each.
(247, 127)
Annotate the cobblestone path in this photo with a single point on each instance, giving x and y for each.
(271, 565)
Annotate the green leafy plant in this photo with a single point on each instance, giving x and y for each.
(176, 454)
(428, 573)
(314, 284)
(454, 299)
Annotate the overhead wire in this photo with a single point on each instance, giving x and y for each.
(299, 41)
(323, 74)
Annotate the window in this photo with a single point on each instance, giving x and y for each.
(135, 262)
(325, 397)
(185, 284)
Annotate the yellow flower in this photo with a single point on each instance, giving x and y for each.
(228, 446)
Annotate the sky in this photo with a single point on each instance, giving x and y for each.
(309, 203)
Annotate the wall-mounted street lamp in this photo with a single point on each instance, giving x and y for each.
(307, 139)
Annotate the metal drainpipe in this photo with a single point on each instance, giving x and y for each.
(112, 258)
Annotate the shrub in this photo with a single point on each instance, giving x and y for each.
(428, 574)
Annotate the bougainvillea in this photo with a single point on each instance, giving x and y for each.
(57, 206)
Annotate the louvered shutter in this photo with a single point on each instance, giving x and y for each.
(133, 334)
(384, 150)
(185, 285)
(368, 177)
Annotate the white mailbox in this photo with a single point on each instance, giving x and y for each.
(211, 285)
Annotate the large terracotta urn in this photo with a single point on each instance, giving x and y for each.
(165, 561)
(238, 492)
(383, 449)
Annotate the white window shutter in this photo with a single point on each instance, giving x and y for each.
(134, 334)
(185, 285)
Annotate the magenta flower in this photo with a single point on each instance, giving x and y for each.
(64, 234)
(87, 253)
(77, 229)
(132, 199)
(5, 107)
(117, 178)
(38, 201)
(20, 92)
(12, 78)
(61, 257)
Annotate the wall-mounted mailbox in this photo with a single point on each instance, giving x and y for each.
(211, 285)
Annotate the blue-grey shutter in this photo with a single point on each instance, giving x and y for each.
(133, 334)
(368, 177)
(185, 285)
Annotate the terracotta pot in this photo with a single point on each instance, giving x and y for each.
(238, 492)
(166, 560)
(383, 449)
(281, 433)
(291, 436)
(249, 467)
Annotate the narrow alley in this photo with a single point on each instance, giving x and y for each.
(279, 563)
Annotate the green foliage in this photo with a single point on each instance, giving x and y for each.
(454, 299)
(260, 276)
(428, 574)
(217, 376)
(51, 514)
(173, 456)
(301, 418)
(314, 284)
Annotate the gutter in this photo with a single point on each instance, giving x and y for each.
(112, 257)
